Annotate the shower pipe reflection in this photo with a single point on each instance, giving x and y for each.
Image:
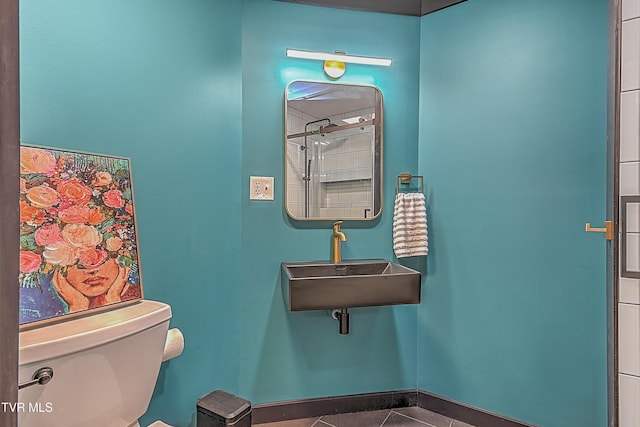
(307, 160)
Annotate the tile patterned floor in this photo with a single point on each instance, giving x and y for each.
(399, 417)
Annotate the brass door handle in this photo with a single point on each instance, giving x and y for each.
(607, 229)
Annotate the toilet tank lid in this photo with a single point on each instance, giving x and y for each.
(79, 334)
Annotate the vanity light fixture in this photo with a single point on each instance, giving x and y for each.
(340, 57)
(334, 63)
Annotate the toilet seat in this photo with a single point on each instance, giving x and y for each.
(159, 424)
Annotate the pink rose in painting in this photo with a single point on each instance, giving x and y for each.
(42, 196)
(36, 160)
(75, 214)
(92, 258)
(129, 208)
(48, 234)
(102, 178)
(113, 199)
(114, 243)
(61, 253)
(75, 192)
(29, 261)
(80, 235)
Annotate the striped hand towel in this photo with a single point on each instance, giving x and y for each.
(410, 225)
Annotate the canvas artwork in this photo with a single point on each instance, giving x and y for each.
(78, 242)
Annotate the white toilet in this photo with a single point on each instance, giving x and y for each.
(104, 367)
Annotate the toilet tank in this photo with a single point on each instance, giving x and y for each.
(105, 367)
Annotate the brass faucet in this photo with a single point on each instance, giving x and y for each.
(338, 236)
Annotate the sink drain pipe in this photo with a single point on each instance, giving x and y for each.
(342, 316)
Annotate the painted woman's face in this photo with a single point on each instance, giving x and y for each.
(94, 282)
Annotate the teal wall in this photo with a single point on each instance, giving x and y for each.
(296, 355)
(158, 81)
(512, 145)
(501, 105)
(162, 83)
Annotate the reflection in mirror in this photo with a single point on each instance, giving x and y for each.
(333, 151)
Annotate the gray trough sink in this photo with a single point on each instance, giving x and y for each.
(323, 285)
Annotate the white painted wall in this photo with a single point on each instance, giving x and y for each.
(629, 295)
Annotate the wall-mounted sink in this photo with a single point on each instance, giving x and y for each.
(323, 285)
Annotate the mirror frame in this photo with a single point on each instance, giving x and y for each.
(378, 154)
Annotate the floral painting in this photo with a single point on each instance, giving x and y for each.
(78, 245)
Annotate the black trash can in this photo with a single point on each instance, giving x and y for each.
(220, 408)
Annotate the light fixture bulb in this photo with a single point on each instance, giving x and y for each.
(334, 69)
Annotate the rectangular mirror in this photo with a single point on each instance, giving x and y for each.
(333, 151)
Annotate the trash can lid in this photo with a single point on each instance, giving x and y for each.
(224, 406)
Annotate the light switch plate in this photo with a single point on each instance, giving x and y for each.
(261, 188)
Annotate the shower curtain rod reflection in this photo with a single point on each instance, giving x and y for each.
(333, 128)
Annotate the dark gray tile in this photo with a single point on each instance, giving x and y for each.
(426, 416)
(304, 422)
(398, 420)
(399, 417)
(359, 419)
